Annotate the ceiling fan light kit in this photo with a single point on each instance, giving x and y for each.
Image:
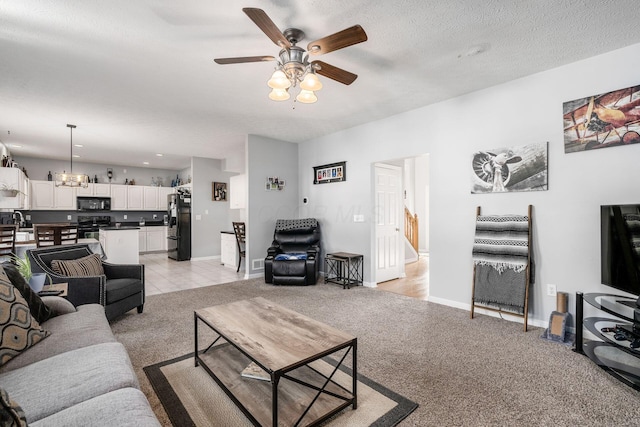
(294, 67)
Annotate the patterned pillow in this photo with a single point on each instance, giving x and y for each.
(18, 329)
(11, 414)
(38, 309)
(91, 265)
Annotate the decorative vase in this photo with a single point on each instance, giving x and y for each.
(36, 282)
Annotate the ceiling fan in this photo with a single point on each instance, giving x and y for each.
(293, 64)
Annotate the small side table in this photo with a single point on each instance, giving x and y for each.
(344, 268)
(57, 287)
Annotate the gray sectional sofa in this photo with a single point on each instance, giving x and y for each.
(78, 376)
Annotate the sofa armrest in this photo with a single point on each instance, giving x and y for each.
(123, 271)
(274, 249)
(312, 251)
(58, 305)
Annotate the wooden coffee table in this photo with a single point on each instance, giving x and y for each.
(288, 347)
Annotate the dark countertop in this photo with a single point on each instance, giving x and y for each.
(120, 228)
(227, 232)
(137, 223)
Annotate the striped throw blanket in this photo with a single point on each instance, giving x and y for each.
(502, 242)
(500, 254)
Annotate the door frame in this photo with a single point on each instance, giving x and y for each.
(400, 213)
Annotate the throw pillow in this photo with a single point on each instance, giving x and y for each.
(19, 330)
(38, 309)
(11, 414)
(91, 265)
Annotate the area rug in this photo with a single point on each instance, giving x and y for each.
(192, 398)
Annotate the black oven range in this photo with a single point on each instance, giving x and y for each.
(88, 225)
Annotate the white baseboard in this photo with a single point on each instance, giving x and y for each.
(205, 258)
(478, 310)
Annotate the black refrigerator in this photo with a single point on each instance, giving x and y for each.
(179, 227)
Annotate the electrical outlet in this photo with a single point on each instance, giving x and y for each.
(551, 290)
(68, 217)
(155, 216)
(124, 217)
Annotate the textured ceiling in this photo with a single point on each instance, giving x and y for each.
(138, 77)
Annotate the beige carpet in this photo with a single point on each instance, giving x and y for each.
(461, 372)
(192, 398)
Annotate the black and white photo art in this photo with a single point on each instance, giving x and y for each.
(510, 169)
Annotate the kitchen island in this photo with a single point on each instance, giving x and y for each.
(120, 244)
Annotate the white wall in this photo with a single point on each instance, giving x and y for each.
(213, 215)
(524, 111)
(268, 158)
(38, 168)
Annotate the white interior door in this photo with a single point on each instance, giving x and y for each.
(388, 190)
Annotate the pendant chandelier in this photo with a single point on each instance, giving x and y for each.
(70, 179)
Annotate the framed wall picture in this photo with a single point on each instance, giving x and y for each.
(274, 183)
(509, 169)
(334, 172)
(219, 192)
(600, 121)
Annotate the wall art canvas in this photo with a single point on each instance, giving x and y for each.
(510, 169)
(599, 121)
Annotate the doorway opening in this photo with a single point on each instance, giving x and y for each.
(401, 225)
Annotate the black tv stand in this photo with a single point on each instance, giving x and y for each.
(628, 303)
(620, 357)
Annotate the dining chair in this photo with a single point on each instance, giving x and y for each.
(7, 240)
(55, 234)
(239, 231)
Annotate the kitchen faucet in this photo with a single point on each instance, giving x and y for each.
(18, 218)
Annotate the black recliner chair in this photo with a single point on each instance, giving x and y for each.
(294, 255)
(119, 289)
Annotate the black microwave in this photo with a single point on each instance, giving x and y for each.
(94, 204)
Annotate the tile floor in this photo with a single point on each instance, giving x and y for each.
(166, 275)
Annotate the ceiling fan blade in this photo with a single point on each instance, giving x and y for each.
(262, 20)
(243, 59)
(335, 73)
(348, 37)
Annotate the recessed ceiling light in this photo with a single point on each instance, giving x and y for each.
(159, 154)
(75, 155)
(15, 146)
(145, 163)
(78, 145)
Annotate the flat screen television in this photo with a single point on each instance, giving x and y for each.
(620, 247)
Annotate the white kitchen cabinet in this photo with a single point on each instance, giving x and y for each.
(142, 239)
(41, 195)
(94, 189)
(120, 245)
(102, 190)
(14, 179)
(237, 191)
(135, 196)
(153, 239)
(119, 197)
(150, 198)
(46, 196)
(228, 250)
(64, 198)
(163, 192)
